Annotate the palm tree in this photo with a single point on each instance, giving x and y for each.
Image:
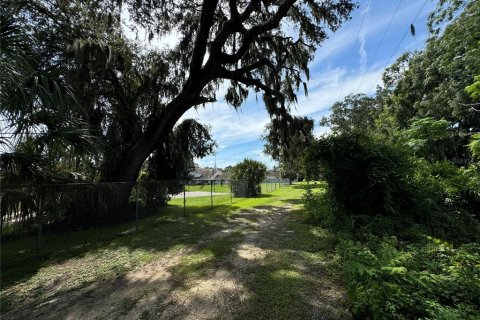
(45, 136)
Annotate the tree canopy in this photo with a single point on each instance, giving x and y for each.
(131, 98)
(427, 100)
(286, 140)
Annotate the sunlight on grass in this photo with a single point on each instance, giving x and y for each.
(276, 287)
(72, 260)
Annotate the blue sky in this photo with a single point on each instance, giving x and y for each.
(345, 63)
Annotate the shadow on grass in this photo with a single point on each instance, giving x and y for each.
(291, 282)
(309, 185)
(294, 280)
(293, 201)
(288, 284)
(170, 226)
(159, 230)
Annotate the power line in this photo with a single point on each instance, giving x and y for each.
(381, 40)
(354, 47)
(399, 43)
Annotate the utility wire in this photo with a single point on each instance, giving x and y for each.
(399, 43)
(353, 50)
(381, 41)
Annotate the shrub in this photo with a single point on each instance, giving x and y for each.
(252, 173)
(450, 198)
(364, 177)
(429, 280)
(319, 209)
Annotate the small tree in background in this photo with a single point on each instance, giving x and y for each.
(246, 178)
(286, 141)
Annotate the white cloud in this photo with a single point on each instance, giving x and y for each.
(342, 39)
(361, 37)
(321, 99)
(230, 126)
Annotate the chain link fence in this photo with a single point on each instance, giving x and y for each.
(31, 212)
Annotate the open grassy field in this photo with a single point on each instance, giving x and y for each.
(242, 259)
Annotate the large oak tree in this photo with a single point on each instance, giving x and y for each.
(133, 98)
(262, 45)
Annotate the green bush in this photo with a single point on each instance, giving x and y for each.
(364, 177)
(429, 280)
(319, 209)
(450, 199)
(248, 174)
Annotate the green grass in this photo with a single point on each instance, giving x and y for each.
(83, 257)
(299, 268)
(297, 265)
(225, 188)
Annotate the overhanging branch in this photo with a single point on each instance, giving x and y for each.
(249, 82)
(251, 34)
(200, 47)
(202, 100)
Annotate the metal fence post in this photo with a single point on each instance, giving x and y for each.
(98, 207)
(40, 216)
(1, 213)
(211, 193)
(136, 206)
(184, 201)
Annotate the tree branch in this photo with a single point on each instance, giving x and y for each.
(255, 31)
(249, 82)
(202, 100)
(234, 15)
(249, 9)
(117, 87)
(200, 46)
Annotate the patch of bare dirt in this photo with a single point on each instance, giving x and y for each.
(155, 292)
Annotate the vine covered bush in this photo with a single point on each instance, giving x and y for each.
(246, 177)
(364, 177)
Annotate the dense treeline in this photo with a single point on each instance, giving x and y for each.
(403, 181)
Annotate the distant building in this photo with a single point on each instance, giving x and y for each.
(209, 174)
(222, 175)
(273, 174)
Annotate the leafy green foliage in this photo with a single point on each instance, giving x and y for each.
(450, 196)
(433, 83)
(474, 89)
(249, 174)
(173, 158)
(409, 241)
(356, 113)
(474, 145)
(319, 208)
(397, 268)
(286, 141)
(364, 177)
(430, 280)
(430, 138)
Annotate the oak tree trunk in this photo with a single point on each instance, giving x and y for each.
(132, 158)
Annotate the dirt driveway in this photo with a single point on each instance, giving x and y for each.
(261, 265)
